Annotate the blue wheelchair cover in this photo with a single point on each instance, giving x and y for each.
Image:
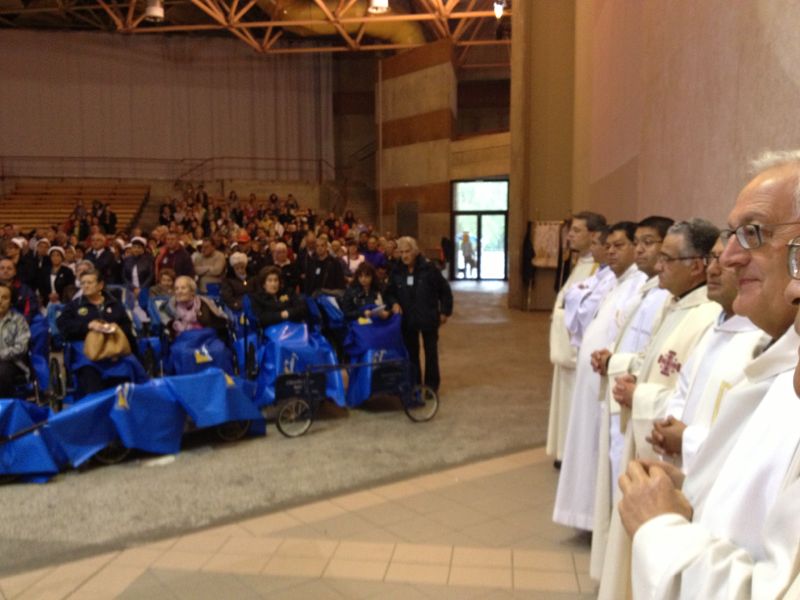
(125, 367)
(329, 306)
(291, 348)
(149, 417)
(196, 350)
(29, 454)
(371, 341)
(213, 397)
(85, 428)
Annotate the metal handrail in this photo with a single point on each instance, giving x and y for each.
(178, 169)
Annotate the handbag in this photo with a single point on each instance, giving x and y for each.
(100, 346)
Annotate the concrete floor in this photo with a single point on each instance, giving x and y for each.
(494, 395)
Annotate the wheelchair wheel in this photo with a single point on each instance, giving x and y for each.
(294, 417)
(4, 479)
(57, 386)
(235, 359)
(232, 431)
(112, 454)
(250, 367)
(149, 362)
(422, 405)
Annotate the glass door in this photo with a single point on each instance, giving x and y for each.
(466, 246)
(479, 228)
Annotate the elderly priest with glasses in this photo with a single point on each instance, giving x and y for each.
(731, 527)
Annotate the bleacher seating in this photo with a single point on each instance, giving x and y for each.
(34, 204)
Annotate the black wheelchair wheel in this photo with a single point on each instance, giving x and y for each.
(294, 417)
(232, 431)
(149, 362)
(422, 405)
(250, 366)
(57, 386)
(235, 358)
(112, 454)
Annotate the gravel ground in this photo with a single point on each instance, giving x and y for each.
(494, 400)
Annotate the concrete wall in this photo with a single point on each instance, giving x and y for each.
(418, 96)
(481, 156)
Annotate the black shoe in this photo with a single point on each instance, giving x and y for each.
(557, 464)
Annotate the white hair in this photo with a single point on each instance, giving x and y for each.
(408, 241)
(188, 281)
(773, 159)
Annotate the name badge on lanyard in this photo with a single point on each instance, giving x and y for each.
(410, 280)
(319, 270)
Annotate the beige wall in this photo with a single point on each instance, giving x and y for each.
(481, 156)
(673, 99)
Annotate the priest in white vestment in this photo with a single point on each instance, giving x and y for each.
(639, 321)
(716, 363)
(731, 529)
(585, 227)
(574, 505)
(644, 390)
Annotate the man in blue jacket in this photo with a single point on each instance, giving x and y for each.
(423, 296)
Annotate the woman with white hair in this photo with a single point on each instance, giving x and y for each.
(188, 310)
(237, 284)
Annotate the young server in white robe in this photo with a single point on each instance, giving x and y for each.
(643, 392)
(585, 227)
(574, 500)
(732, 528)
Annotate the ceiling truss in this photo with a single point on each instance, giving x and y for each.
(468, 24)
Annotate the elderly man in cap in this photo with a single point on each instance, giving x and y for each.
(138, 270)
(209, 265)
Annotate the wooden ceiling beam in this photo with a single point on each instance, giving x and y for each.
(335, 22)
(113, 13)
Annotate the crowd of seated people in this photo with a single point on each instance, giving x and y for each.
(226, 248)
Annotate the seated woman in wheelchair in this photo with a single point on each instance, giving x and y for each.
(97, 310)
(188, 310)
(274, 302)
(199, 331)
(14, 338)
(363, 297)
(238, 283)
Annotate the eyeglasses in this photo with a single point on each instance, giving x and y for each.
(752, 235)
(707, 260)
(793, 258)
(647, 242)
(668, 259)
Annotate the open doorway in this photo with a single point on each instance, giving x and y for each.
(479, 229)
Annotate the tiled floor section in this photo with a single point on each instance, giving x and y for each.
(478, 531)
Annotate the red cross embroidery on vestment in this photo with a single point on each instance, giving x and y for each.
(669, 364)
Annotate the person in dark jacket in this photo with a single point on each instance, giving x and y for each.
(238, 283)
(418, 291)
(274, 303)
(24, 298)
(138, 269)
(102, 257)
(324, 272)
(92, 311)
(55, 284)
(363, 295)
(174, 256)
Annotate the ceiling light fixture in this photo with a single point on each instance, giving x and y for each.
(378, 7)
(154, 11)
(499, 7)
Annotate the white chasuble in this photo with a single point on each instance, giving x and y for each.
(563, 356)
(575, 497)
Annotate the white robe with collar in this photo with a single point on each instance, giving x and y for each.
(685, 321)
(574, 505)
(712, 369)
(744, 538)
(583, 300)
(641, 319)
(563, 356)
(737, 406)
